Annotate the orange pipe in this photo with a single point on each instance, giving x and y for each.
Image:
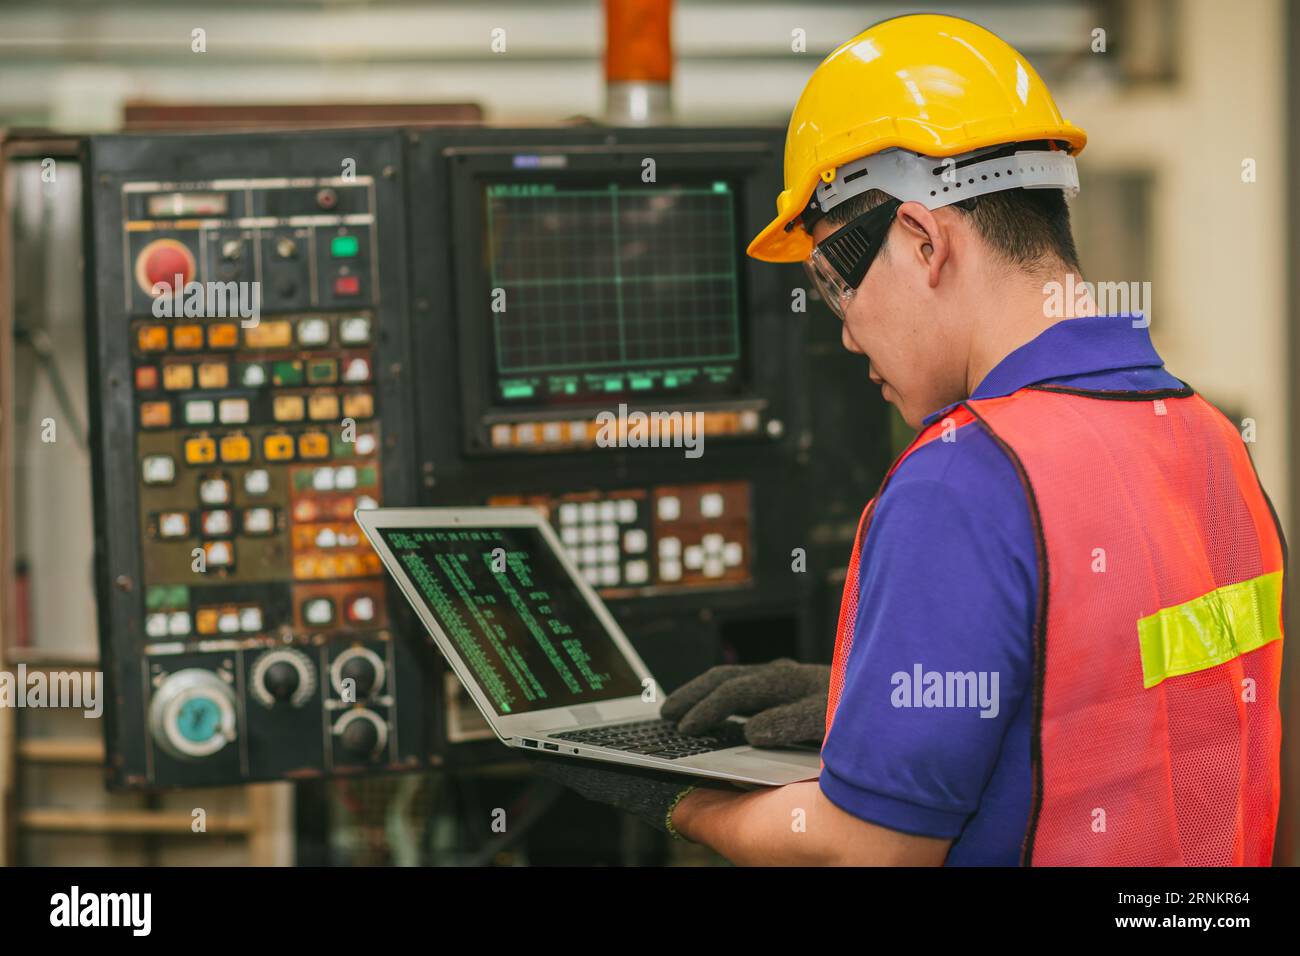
(638, 41)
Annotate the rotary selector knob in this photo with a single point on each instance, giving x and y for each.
(284, 675)
(361, 733)
(361, 669)
(192, 714)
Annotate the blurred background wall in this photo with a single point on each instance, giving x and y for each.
(1184, 177)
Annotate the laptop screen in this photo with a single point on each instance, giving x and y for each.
(515, 616)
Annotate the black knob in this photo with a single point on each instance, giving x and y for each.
(362, 673)
(281, 680)
(360, 737)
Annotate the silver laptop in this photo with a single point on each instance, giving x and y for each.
(538, 651)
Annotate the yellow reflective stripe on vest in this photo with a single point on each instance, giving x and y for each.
(1213, 628)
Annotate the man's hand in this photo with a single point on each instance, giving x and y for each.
(787, 701)
(646, 794)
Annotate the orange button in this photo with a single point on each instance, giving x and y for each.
(223, 335)
(155, 414)
(288, 408)
(152, 338)
(268, 335)
(358, 405)
(205, 620)
(323, 406)
(314, 445)
(200, 451)
(178, 377)
(236, 448)
(187, 337)
(214, 375)
(277, 447)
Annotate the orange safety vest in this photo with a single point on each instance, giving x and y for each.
(1158, 634)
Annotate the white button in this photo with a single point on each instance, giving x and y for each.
(590, 554)
(590, 534)
(609, 552)
(158, 470)
(732, 554)
(694, 558)
(257, 482)
(713, 543)
(711, 505)
(354, 330)
(578, 431)
(501, 436)
(214, 491)
(253, 376)
(155, 625)
(609, 575)
(634, 540)
(592, 575)
(626, 510)
(326, 538)
(318, 611)
(200, 412)
(609, 532)
(216, 523)
(568, 513)
(713, 567)
(362, 609)
(526, 434)
(345, 477)
(228, 623)
(250, 619)
(569, 535)
(322, 479)
(233, 411)
(637, 572)
(173, 524)
(220, 553)
(749, 421)
(670, 509)
(313, 331)
(358, 370)
(551, 433)
(670, 570)
(589, 511)
(178, 623)
(608, 511)
(366, 503)
(366, 443)
(670, 547)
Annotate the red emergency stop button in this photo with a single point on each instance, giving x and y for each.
(347, 285)
(160, 262)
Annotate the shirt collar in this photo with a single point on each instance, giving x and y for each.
(1079, 346)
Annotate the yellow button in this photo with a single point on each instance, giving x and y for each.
(205, 620)
(268, 335)
(155, 414)
(358, 405)
(236, 448)
(314, 445)
(223, 335)
(214, 375)
(177, 377)
(152, 338)
(288, 408)
(188, 337)
(323, 406)
(277, 447)
(200, 451)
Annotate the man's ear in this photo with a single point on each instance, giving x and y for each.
(926, 237)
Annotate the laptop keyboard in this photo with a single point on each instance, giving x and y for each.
(656, 738)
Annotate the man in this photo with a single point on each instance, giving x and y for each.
(1060, 638)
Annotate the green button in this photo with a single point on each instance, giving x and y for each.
(639, 383)
(613, 384)
(344, 247)
(670, 381)
(286, 373)
(322, 371)
(516, 391)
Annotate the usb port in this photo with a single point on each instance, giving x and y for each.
(550, 746)
(530, 743)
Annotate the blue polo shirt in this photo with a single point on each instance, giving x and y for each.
(949, 586)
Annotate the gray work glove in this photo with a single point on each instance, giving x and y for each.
(646, 794)
(787, 701)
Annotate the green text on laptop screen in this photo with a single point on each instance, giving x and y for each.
(514, 615)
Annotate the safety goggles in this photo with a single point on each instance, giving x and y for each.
(839, 262)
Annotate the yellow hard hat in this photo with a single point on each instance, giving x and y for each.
(935, 85)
